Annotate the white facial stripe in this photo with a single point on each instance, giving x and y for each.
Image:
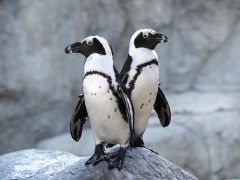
(145, 34)
(148, 31)
(152, 31)
(89, 42)
(88, 39)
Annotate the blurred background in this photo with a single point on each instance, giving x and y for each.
(199, 73)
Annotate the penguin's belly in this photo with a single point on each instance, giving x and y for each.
(144, 96)
(106, 121)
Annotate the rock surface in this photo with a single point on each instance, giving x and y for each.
(38, 86)
(26, 163)
(38, 164)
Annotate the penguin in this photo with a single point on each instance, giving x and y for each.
(140, 74)
(104, 102)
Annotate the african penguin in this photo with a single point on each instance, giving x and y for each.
(104, 102)
(140, 74)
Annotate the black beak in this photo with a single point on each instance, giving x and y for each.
(74, 48)
(160, 38)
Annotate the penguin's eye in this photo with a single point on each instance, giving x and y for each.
(89, 42)
(145, 35)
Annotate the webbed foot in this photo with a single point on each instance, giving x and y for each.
(98, 156)
(116, 160)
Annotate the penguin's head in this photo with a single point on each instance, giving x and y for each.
(90, 45)
(147, 38)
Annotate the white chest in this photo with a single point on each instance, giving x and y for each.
(143, 96)
(106, 120)
(145, 86)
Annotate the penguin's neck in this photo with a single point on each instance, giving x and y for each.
(101, 63)
(142, 55)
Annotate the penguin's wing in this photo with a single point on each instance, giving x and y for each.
(126, 69)
(126, 103)
(162, 108)
(78, 119)
(128, 110)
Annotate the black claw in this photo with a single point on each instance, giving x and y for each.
(95, 159)
(116, 160)
(98, 156)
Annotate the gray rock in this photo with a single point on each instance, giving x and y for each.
(37, 90)
(193, 102)
(202, 54)
(26, 163)
(38, 164)
(203, 136)
(203, 144)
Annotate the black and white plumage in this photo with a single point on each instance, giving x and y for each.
(140, 74)
(104, 101)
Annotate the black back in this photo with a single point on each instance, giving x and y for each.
(126, 68)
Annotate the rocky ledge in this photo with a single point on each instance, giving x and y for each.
(35, 164)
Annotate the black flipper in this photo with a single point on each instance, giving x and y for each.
(126, 68)
(78, 119)
(162, 108)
